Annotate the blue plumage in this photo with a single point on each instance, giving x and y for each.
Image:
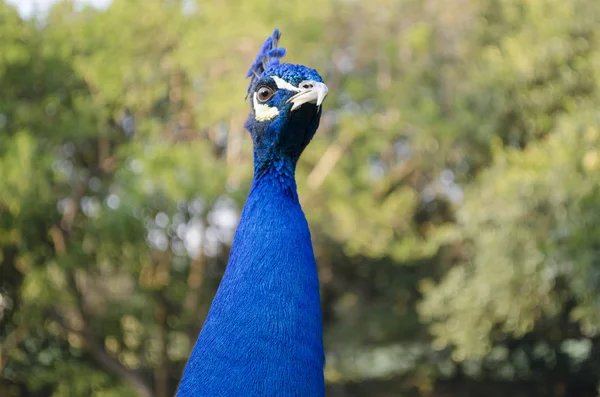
(263, 334)
(268, 56)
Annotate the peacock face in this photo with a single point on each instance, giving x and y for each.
(285, 88)
(285, 108)
(285, 105)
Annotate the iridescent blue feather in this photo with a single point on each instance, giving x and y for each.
(268, 56)
(263, 335)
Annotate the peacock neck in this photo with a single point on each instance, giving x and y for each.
(263, 334)
(278, 174)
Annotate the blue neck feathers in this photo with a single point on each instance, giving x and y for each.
(263, 334)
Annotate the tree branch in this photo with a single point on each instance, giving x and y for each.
(328, 161)
(132, 378)
(397, 174)
(109, 363)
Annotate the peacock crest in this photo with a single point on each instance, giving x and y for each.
(268, 56)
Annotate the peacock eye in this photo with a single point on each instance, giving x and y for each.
(264, 93)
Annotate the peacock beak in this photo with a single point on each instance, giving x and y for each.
(309, 92)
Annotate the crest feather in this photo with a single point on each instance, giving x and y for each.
(268, 56)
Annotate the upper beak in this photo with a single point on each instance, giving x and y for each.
(316, 94)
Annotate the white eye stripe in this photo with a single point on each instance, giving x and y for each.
(284, 85)
(263, 112)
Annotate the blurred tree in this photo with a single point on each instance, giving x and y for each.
(522, 303)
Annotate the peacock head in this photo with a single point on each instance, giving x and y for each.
(285, 105)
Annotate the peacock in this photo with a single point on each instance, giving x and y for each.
(263, 335)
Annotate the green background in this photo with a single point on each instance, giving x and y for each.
(452, 191)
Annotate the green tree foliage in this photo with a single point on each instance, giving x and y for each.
(452, 191)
